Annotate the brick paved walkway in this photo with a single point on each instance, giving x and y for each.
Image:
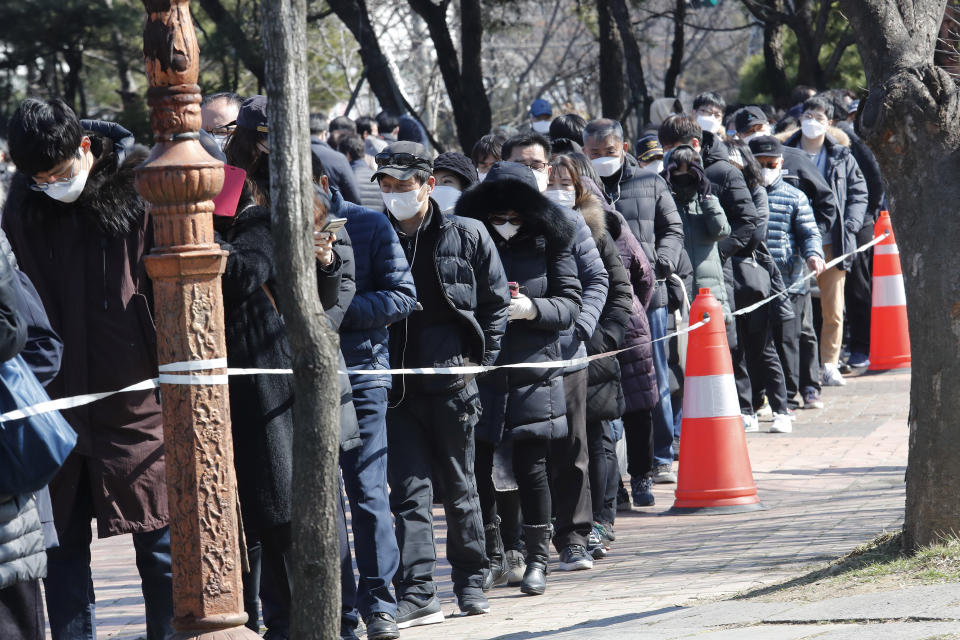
(833, 483)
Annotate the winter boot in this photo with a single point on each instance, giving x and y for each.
(538, 538)
(496, 573)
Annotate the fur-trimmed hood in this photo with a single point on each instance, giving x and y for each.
(109, 200)
(594, 215)
(837, 135)
(541, 216)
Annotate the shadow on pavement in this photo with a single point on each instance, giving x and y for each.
(589, 624)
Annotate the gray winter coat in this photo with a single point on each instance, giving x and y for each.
(23, 554)
(704, 224)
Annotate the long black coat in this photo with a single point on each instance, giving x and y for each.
(605, 400)
(528, 403)
(260, 406)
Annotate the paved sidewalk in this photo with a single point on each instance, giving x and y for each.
(832, 484)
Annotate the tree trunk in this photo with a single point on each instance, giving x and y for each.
(464, 82)
(676, 56)
(639, 96)
(71, 84)
(246, 49)
(354, 15)
(613, 100)
(315, 613)
(911, 120)
(774, 65)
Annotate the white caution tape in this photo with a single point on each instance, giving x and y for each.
(168, 372)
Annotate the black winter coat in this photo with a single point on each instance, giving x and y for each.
(605, 400)
(645, 202)
(735, 198)
(871, 173)
(800, 172)
(261, 406)
(528, 403)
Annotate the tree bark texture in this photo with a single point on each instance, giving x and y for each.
(463, 74)
(911, 120)
(774, 66)
(676, 55)
(613, 99)
(639, 95)
(246, 49)
(315, 612)
(354, 15)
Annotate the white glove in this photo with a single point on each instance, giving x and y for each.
(522, 308)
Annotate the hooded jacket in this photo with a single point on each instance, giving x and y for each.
(605, 400)
(734, 195)
(849, 189)
(644, 200)
(704, 227)
(86, 261)
(528, 403)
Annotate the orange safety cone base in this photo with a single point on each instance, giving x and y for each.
(714, 511)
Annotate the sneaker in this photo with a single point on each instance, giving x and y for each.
(595, 543)
(381, 626)
(623, 500)
(574, 558)
(607, 533)
(664, 475)
(516, 566)
(472, 602)
(413, 614)
(642, 492)
(858, 360)
(765, 412)
(782, 423)
(831, 376)
(750, 423)
(811, 399)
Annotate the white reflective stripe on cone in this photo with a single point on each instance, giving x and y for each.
(888, 291)
(886, 250)
(710, 396)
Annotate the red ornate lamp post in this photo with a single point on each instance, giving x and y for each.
(178, 181)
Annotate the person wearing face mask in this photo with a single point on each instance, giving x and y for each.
(541, 114)
(486, 153)
(751, 122)
(650, 154)
(709, 107)
(644, 199)
(794, 241)
(460, 319)
(80, 232)
(524, 410)
(828, 148)
(454, 174)
(569, 457)
(218, 113)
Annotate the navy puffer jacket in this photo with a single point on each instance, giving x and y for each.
(385, 291)
(528, 403)
(792, 232)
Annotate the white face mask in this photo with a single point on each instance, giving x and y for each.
(68, 191)
(562, 196)
(813, 128)
(482, 175)
(445, 197)
(770, 176)
(765, 131)
(606, 167)
(709, 123)
(541, 126)
(543, 179)
(507, 229)
(402, 206)
(655, 167)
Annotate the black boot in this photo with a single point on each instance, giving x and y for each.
(537, 537)
(495, 574)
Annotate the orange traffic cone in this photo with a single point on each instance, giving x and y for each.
(715, 474)
(889, 333)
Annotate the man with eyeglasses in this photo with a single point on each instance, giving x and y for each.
(569, 456)
(836, 163)
(461, 315)
(218, 115)
(80, 231)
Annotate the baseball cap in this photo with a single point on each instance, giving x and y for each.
(401, 160)
(540, 107)
(748, 117)
(253, 114)
(766, 146)
(648, 148)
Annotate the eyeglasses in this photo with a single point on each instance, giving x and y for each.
(536, 166)
(501, 218)
(223, 129)
(43, 186)
(385, 159)
(709, 113)
(814, 115)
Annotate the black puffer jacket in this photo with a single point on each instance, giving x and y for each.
(735, 198)
(528, 403)
(261, 407)
(605, 399)
(644, 200)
